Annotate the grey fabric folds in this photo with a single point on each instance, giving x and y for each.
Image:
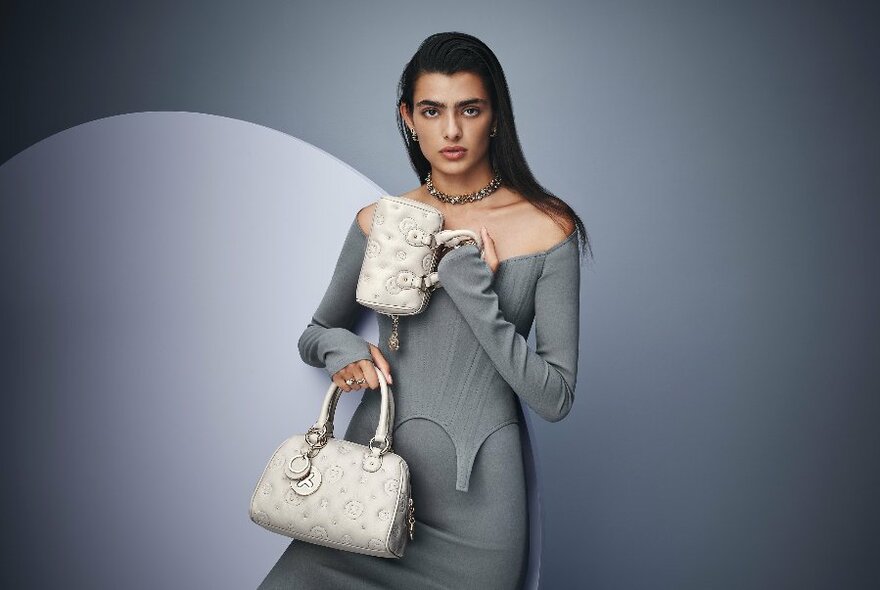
(546, 377)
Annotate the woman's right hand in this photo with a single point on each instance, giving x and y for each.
(364, 369)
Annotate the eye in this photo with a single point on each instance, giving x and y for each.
(473, 109)
(425, 112)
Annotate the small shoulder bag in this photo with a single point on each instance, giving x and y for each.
(399, 272)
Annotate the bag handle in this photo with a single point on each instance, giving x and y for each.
(451, 238)
(386, 415)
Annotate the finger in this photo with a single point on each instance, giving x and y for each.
(369, 371)
(349, 371)
(488, 243)
(382, 363)
(356, 372)
(339, 380)
(489, 254)
(485, 233)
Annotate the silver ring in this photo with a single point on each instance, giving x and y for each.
(361, 381)
(349, 381)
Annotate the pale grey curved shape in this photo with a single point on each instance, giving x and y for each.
(162, 266)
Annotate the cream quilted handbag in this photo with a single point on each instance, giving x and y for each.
(400, 259)
(338, 493)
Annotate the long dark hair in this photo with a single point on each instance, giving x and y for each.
(451, 52)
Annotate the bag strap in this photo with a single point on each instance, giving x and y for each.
(386, 414)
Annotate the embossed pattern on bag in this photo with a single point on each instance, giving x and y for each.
(352, 512)
(399, 257)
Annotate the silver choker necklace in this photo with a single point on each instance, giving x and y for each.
(456, 199)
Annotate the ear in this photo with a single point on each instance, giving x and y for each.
(404, 112)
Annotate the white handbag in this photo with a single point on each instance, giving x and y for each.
(338, 493)
(399, 271)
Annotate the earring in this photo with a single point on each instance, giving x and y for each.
(413, 130)
(493, 132)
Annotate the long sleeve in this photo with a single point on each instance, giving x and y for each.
(544, 378)
(328, 340)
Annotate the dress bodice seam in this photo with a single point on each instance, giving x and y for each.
(465, 454)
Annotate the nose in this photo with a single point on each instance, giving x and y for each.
(451, 128)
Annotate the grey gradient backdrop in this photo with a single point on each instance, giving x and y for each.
(724, 157)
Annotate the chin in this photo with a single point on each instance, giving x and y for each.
(462, 166)
(452, 170)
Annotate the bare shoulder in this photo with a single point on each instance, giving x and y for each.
(365, 218)
(545, 230)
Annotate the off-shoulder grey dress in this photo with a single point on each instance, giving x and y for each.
(461, 363)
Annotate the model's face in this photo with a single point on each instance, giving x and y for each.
(451, 111)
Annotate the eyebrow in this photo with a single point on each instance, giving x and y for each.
(461, 103)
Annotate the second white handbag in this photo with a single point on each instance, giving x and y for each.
(399, 271)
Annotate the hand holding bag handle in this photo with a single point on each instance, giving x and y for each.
(386, 412)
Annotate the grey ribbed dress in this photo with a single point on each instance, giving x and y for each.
(461, 363)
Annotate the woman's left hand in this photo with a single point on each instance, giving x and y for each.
(489, 256)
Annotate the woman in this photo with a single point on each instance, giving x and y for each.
(463, 362)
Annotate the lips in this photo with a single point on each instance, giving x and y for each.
(453, 153)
